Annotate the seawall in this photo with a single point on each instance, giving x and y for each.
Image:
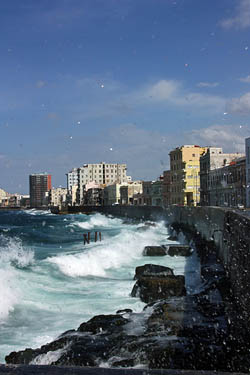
(229, 230)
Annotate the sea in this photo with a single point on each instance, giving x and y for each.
(50, 281)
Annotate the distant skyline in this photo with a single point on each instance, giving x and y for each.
(119, 81)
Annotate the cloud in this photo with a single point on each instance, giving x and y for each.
(245, 79)
(207, 84)
(230, 137)
(239, 105)
(241, 20)
(40, 84)
(173, 93)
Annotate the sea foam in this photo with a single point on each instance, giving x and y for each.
(113, 253)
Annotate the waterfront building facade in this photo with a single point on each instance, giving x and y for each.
(227, 185)
(39, 186)
(156, 192)
(111, 194)
(58, 197)
(128, 191)
(102, 174)
(72, 178)
(144, 198)
(212, 160)
(184, 174)
(166, 188)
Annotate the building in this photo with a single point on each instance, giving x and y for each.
(212, 160)
(156, 192)
(227, 185)
(128, 191)
(166, 188)
(111, 194)
(184, 174)
(40, 185)
(247, 145)
(58, 197)
(102, 174)
(72, 178)
(144, 198)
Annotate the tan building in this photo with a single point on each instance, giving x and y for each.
(166, 188)
(58, 197)
(111, 194)
(184, 174)
(127, 192)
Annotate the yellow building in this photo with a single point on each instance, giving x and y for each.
(185, 174)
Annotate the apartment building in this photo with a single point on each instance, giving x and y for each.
(227, 185)
(39, 185)
(72, 178)
(128, 191)
(166, 188)
(58, 197)
(111, 194)
(212, 160)
(184, 174)
(102, 174)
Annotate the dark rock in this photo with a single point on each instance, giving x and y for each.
(128, 362)
(101, 323)
(178, 250)
(154, 251)
(150, 289)
(152, 270)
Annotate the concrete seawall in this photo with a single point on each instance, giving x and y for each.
(229, 229)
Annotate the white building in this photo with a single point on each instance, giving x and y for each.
(72, 178)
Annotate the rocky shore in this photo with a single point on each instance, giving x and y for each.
(175, 330)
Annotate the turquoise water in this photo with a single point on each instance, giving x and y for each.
(51, 282)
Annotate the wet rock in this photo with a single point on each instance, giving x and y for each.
(178, 250)
(152, 270)
(101, 323)
(150, 289)
(128, 362)
(154, 251)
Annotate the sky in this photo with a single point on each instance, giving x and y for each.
(119, 81)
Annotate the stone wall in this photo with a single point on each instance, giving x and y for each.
(229, 229)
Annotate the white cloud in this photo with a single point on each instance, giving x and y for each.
(245, 79)
(162, 90)
(241, 20)
(239, 105)
(171, 92)
(230, 137)
(207, 84)
(40, 84)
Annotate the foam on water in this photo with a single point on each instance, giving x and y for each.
(49, 284)
(9, 295)
(12, 256)
(113, 253)
(99, 221)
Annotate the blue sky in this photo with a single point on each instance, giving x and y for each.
(124, 81)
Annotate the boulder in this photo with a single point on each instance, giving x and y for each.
(154, 251)
(101, 323)
(178, 250)
(152, 270)
(150, 289)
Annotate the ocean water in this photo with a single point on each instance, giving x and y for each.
(51, 282)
